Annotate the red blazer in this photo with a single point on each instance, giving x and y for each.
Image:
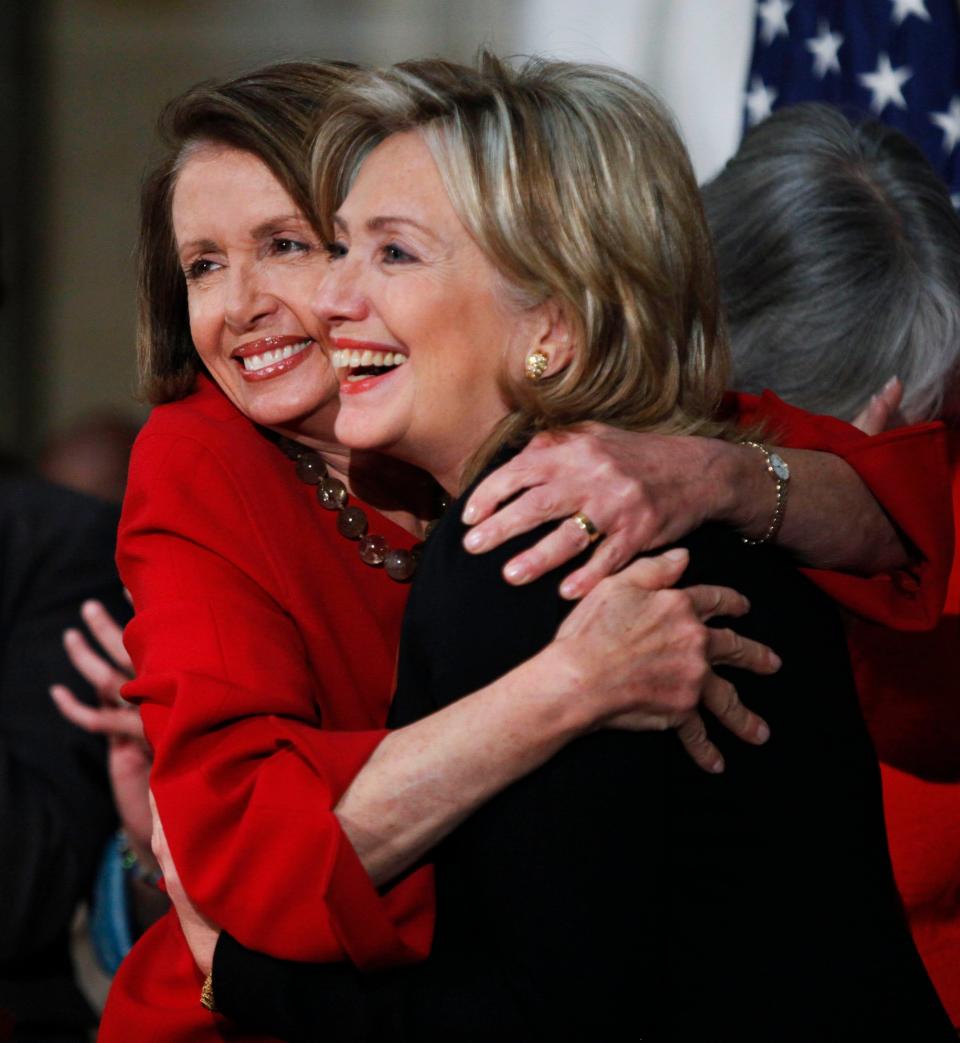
(909, 686)
(264, 652)
(908, 471)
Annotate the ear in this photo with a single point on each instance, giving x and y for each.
(554, 335)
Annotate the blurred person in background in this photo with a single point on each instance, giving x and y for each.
(56, 808)
(838, 249)
(91, 455)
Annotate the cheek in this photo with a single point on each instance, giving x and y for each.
(295, 287)
(203, 324)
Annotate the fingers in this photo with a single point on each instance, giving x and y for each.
(709, 601)
(504, 483)
(531, 509)
(656, 572)
(872, 419)
(609, 557)
(693, 734)
(881, 411)
(158, 840)
(108, 632)
(728, 648)
(110, 721)
(722, 700)
(649, 573)
(105, 678)
(557, 548)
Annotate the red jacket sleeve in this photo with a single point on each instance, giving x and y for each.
(907, 470)
(908, 681)
(244, 776)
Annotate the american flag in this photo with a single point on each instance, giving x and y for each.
(897, 60)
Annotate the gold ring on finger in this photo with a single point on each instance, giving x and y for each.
(581, 520)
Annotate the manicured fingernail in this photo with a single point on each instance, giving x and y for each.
(469, 514)
(89, 606)
(717, 766)
(775, 661)
(763, 733)
(889, 384)
(516, 572)
(569, 590)
(676, 554)
(473, 540)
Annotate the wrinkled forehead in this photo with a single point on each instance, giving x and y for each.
(221, 190)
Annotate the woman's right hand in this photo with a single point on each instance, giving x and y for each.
(883, 410)
(640, 656)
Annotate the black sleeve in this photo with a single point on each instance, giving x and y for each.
(305, 1002)
(535, 880)
(619, 884)
(56, 810)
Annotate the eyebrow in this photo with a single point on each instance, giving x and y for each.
(261, 231)
(274, 224)
(376, 224)
(196, 246)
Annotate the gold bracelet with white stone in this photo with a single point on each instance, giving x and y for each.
(780, 472)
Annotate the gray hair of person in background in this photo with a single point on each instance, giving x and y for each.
(838, 250)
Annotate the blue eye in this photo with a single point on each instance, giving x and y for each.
(393, 254)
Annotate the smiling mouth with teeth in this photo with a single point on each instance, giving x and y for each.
(256, 363)
(364, 364)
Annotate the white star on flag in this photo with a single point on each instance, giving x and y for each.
(949, 123)
(824, 50)
(902, 9)
(773, 14)
(885, 83)
(760, 99)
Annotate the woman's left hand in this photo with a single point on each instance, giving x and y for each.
(201, 934)
(641, 491)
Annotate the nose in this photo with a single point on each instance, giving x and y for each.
(248, 299)
(339, 296)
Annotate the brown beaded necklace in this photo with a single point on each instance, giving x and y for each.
(352, 523)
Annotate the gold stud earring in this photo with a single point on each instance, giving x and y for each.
(536, 365)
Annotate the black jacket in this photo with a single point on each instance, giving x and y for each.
(618, 891)
(56, 809)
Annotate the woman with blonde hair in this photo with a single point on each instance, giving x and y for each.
(268, 580)
(531, 246)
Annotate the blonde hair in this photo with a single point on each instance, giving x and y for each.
(574, 182)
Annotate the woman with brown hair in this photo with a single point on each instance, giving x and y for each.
(264, 643)
(611, 889)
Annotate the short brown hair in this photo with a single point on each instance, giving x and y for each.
(575, 184)
(272, 113)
